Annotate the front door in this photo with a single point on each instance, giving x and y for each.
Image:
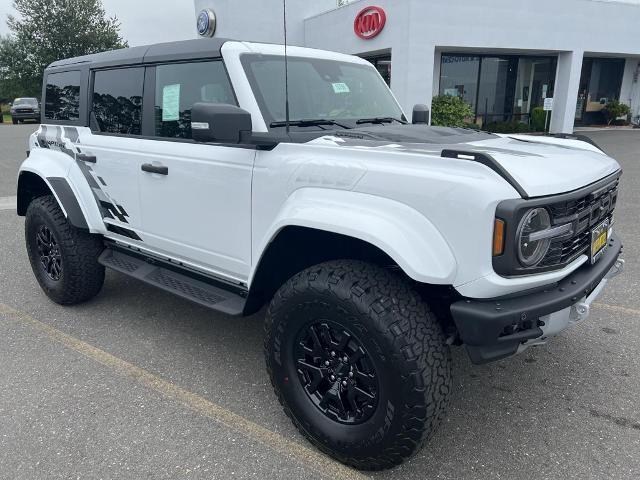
(195, 198)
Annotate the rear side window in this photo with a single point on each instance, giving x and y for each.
(62, 96)
(179, 86)
(117, 101)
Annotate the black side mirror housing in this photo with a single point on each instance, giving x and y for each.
(420, 114)
(220, 123)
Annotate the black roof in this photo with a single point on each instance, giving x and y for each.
(159, 52)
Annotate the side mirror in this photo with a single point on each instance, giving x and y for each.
(219, 123)
(420, 114)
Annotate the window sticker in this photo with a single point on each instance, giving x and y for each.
(340, 87)
(171, 103)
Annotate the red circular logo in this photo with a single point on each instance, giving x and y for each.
(369, 22)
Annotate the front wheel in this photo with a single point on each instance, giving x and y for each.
(358, 362)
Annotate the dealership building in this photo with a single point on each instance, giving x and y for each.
(503, 57)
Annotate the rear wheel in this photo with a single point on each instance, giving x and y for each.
(358, 362)
(64, 259)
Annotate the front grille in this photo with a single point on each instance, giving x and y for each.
(585, 213)
(24, 110)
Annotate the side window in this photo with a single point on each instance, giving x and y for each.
(179, 86)
(62, 96)
(117, 100)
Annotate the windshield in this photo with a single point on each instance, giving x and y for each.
(32, 102)
(340, 93)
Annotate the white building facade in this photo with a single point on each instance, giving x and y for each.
(503, 57)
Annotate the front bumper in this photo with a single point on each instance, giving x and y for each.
(497, 328)
(26, 116)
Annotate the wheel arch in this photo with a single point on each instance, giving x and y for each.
(31, 185)
(317, 225)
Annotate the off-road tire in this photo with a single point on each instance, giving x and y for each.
(81, 275)
(399, 332)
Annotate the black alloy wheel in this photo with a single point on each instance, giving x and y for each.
(49, 251)
(336, 372)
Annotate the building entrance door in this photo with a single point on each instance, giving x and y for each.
(600, 82)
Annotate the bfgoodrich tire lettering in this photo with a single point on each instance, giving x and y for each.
(79, 276)
(400, 335)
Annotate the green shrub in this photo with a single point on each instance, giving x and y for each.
(615, 109)
(538, 119)
(507, 127)
(450, 111)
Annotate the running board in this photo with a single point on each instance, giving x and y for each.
(184, 286)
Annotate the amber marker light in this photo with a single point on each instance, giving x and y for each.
(498, 237)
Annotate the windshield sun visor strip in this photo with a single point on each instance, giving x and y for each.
(488, 161)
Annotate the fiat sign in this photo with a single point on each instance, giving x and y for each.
(369, 22)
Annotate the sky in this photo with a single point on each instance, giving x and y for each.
(143, 21)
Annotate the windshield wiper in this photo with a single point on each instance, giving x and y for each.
(318, 122)
(380, 120)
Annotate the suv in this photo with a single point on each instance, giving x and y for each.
(25, 109)
(375, 243)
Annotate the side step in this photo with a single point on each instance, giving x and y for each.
(184, 286)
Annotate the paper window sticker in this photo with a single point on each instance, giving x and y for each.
(171, 103)
(340, 87)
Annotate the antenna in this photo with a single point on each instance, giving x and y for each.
(286, 69)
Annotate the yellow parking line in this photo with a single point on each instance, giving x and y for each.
(617, 308)
(306, 456)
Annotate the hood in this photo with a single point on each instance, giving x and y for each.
(540, 165)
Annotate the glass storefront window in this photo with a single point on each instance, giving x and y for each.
(383, 65)
(499, 88)
(534, 83)
(493, 91)
(459, 77)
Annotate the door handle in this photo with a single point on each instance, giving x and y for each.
(149, 168)
(86, 158)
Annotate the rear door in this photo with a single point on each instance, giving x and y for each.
(195, 198)
(112, 149)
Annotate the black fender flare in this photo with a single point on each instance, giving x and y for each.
(68, 201)
(32, 185)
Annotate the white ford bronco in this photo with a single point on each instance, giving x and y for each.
(374, 243)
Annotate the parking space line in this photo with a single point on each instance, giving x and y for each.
(305, 456)
(8, 203)
(617, 308)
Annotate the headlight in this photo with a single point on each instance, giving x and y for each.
(533, 238)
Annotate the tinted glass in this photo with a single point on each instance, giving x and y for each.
(319, 89)
(117, 100)
(179, 86)
(63, 96)
(493, 89)
(459, 77)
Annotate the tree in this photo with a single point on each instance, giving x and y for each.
(48, 30)
(450, 111)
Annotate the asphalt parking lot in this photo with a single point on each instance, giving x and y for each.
(140, 384)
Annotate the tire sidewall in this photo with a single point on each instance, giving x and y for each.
(36, 218)
(296, 313)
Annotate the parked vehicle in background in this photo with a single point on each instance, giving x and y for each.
(376, 244)
(25, 108)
